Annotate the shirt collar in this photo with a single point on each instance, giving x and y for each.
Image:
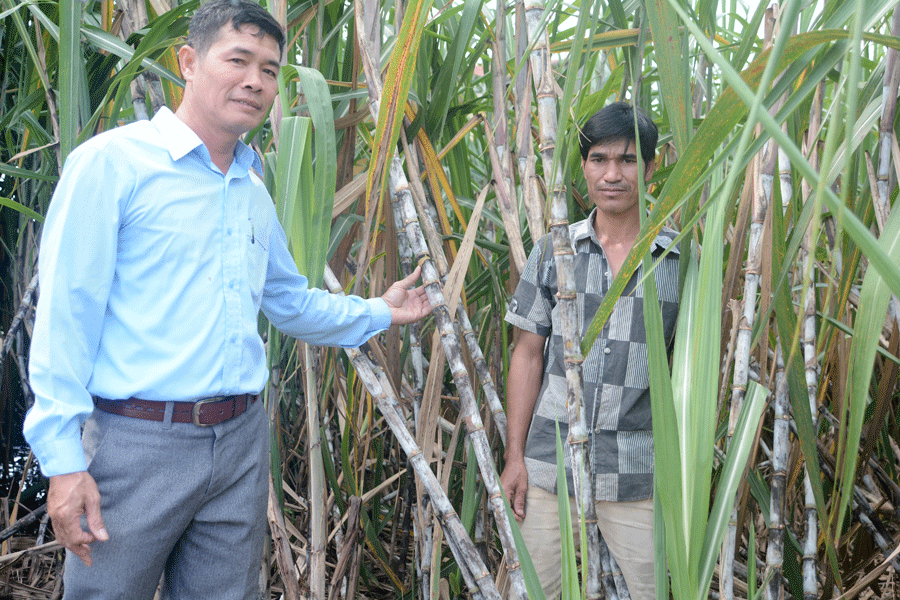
(584, 229)
(180, 140)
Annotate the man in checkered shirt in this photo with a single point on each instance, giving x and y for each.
(615, 371)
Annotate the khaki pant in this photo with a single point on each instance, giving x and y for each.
(627, 528)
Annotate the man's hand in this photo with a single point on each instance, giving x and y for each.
(71, 496)
(514, 480)
(407, 305)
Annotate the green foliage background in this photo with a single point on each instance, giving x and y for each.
(809, 223)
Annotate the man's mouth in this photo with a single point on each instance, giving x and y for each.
(248, 103)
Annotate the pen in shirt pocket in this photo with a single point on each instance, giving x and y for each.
(252, 233)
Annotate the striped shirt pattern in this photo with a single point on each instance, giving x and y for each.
(615, 372)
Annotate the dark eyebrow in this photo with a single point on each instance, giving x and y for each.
(624, 155)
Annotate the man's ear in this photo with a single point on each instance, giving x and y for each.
(187, 62)
(649, 170)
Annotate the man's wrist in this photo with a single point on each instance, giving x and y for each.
(514, 455)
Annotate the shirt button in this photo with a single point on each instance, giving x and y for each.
(228, 231)
(606, 350)
(233, 338)
(231, 284)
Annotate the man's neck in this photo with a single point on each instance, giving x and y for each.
(219, 144)
(616, 234)
(617, 229)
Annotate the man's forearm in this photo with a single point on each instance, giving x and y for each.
(526, 369)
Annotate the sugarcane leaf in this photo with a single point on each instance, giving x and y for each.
(293, 182)
(568, 558)
(10, 203)
(72, 78)
(732, 476)
(397, 84)
(314, 210)
(669, 46)
(729, 109)
(873, 301)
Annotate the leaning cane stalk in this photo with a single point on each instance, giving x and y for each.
(611, 576)
(449, 340)
(422, 522)
(565, 272)
(404, 192)
(467, 332)
(477, 575)
(477, 436)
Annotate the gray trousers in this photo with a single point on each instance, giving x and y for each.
(185, 501)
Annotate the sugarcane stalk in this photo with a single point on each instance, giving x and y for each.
(147, 83)
(474, 571)
(467, 333)
(404, 193)
(762, 175)
(500, 153)
(886, 140)
(424, 535)
(422, 522)
(810, 544)
(450, 341)
(752, 275)
(476, 434)
(860, 506)
(317, 535)
(781, 432)
(532, 199)
(401, 195)
(565, 271)
(608, 575)
(886, 134)
(282, 546)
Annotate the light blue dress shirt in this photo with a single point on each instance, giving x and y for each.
(154, 266)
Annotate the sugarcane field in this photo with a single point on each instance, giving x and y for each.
(534, 164)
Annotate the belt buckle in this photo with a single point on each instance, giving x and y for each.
(195, 410)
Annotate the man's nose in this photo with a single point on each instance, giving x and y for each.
(253, 79)
(612, 172)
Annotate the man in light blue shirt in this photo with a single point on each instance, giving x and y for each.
(160, 247)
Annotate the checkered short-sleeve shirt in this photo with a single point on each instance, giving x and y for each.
(615, 372)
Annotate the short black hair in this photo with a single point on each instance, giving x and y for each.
(616, 122)
(213, 15)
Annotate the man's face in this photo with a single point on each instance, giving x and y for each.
(233, 84)
(612, 170)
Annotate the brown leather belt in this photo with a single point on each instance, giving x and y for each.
(203, 413)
